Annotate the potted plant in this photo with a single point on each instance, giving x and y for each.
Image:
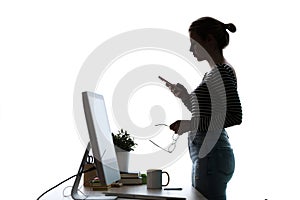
(124, 143)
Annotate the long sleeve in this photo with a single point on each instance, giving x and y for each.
(215, 103)
(188, 102)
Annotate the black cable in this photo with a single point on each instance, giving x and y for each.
(90, 169)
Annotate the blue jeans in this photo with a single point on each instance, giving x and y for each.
(211, 173)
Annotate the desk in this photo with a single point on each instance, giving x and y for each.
(177, 179)
(188, 193)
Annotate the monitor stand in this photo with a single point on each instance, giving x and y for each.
(74, 193)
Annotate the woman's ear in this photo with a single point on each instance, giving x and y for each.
(211, 40)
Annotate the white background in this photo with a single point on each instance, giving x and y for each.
(44, 43)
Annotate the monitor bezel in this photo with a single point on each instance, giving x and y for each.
(89, 99)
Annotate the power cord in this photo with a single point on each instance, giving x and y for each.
(88, 170)
(68, 195)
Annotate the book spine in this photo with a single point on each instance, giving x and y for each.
(131, 181)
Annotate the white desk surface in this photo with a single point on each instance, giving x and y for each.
(187, 192)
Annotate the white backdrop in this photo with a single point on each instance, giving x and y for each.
(44, 43)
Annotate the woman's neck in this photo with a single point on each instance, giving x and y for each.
(216, 58)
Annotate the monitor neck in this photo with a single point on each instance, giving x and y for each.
(74, 193)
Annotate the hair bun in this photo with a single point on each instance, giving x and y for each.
(231, 27)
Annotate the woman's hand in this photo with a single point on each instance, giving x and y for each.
(178, 90)
(181, 126)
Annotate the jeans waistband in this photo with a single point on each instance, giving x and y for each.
(222, 140)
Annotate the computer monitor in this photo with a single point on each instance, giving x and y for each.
(101, 143)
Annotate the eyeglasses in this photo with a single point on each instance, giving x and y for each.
(172, 146)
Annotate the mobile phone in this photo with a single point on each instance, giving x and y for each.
(164, 80)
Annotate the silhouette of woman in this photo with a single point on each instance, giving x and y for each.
(215, 105)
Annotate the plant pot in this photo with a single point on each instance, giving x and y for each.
(123, 159)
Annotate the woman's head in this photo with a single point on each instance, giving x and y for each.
(211, 34)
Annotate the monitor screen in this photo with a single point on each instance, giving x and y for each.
(101, 138)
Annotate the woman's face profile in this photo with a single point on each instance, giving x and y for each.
(197, 47)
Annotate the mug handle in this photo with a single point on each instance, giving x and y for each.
(168, 178)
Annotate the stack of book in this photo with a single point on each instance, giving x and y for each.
(131, 178)
(96, 185)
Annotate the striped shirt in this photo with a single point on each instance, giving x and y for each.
(215, 103)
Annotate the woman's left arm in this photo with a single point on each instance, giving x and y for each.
(181, 126)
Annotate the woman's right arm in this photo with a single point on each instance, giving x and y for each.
(181, 92)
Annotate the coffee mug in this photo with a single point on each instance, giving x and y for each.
(154, 178)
